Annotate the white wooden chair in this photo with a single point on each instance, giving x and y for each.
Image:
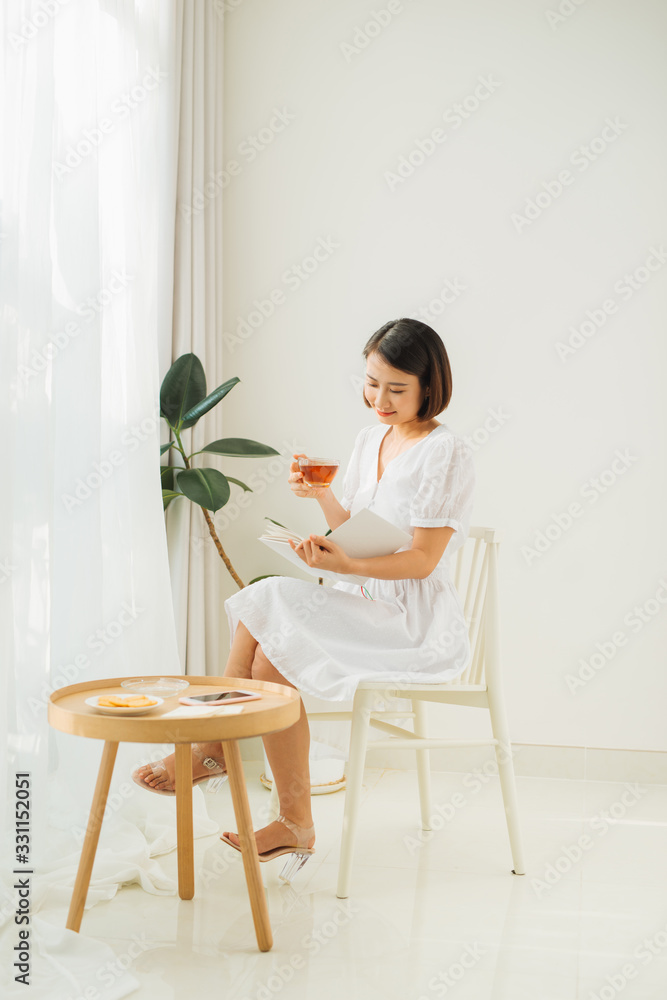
(475, 574)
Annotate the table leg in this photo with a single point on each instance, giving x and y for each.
(184, 838)
(260, 912)
(92, 836)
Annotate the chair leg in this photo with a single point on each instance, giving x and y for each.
(507, 781)
(361, 712)
(423, 763)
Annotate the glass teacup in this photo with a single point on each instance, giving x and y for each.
(318, 472)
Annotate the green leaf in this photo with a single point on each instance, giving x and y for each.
(183, 387)
(192, 416)
(206, 487)
(166, 447)
(239, 483)
(276, 522)
(167, 476)
(168, 496)
(265, 577)
(239, 448)
(170, 489)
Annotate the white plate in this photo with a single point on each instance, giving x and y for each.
(109, 710)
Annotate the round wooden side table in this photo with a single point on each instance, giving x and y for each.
(277, 709)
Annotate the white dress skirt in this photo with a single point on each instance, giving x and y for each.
(326, 639)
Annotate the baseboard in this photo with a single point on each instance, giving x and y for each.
(539, 761)
(530, 759)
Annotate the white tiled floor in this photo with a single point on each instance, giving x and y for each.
(428, 917)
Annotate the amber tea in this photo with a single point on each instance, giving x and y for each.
(319, 471)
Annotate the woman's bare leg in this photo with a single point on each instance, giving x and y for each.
(288, 756)
(239, 664)
(241, 654)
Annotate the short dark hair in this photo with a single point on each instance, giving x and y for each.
(414, 348)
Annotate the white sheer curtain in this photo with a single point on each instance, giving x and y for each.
(197, 570)
(86, 254)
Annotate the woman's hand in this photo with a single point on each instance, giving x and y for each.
(319, 552)
(297, 485)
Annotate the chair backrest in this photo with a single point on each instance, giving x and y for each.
(474, 571)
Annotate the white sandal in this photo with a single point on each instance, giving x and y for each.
(299, 852)
(215, 767)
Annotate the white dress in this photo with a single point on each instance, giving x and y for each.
(325, 639)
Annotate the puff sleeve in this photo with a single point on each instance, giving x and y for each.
(352, 479)
(444, 495)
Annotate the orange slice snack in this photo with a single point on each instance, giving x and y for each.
(125, 701)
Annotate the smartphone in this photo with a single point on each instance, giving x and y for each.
(220, 697)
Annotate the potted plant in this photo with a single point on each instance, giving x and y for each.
(184, 401)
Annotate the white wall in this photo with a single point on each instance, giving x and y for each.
(323, 176)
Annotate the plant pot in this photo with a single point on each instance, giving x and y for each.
(327, 770)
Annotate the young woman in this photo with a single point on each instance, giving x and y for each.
(413, 471)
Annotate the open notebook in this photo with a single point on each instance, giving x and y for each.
(362, 536)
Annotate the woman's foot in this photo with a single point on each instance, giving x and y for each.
(277, 834)
(160, 775)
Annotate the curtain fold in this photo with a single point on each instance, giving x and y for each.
(197, 571)
(87, 188)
